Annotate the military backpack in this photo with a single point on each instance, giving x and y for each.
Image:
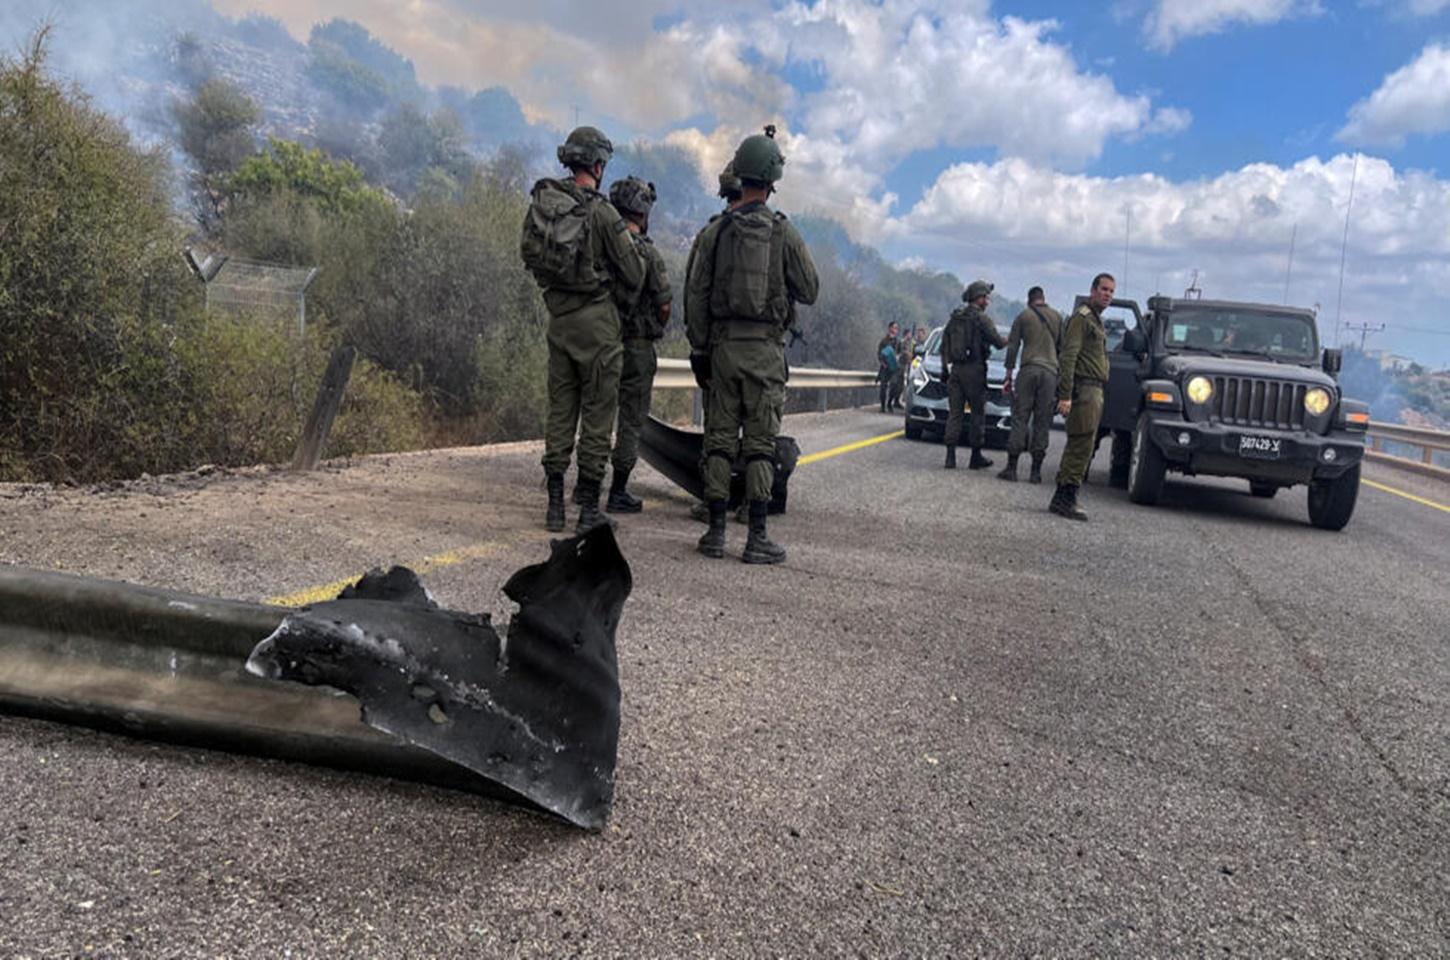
(748, 282)
(555, 245)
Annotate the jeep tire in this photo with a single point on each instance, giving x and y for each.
(1146, 468)
(1122, 459)
(1331, 502)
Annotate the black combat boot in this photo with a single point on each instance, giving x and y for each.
(554, 517)
(759, 548)
(586, 494)
(1009, 472)
(951, 463)
(1064, 504)
(1036, 475)
(620, 500)
(978, 462)
(712, 541)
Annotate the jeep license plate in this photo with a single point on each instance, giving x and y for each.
(1260, 448)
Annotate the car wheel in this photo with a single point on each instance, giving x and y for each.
(1331, 502)
(1122, 453)
(913, 429)
(1146, 468)
(1264, 490)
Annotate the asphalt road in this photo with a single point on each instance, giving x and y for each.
(951, 725)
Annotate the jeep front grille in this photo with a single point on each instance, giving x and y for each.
(1250, 402)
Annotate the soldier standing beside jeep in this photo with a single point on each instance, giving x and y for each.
(966, 341)
(577, 247)
(644, 314)
(1037, 331)
(1082, 375)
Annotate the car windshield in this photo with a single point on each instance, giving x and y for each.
(933, 343)
(1274, 335)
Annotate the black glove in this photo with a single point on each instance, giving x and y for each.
(700, 367)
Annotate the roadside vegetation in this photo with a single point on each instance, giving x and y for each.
(111, 366)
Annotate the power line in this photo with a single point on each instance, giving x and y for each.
(1343, 249)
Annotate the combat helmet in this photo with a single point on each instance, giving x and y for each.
(584, 147)
(729, 183)
(632, 195)
(975, 289)
(758, 158)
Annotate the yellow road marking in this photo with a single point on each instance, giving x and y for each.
(329, 591)
(1407, 496)
(849, 448)
(438, 561)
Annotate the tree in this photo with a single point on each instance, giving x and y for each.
(215, 131)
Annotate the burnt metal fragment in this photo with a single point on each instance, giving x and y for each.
(538, 714)
(678, 453)
(445, 700)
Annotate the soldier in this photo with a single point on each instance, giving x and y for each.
(969, 336)
(888, 364)
(1082, 374)
(750, 266)
(578, 247)
(644, 314)
(1036, 331)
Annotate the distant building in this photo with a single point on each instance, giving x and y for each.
(1394, 363)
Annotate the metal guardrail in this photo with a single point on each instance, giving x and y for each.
(1429, 441)
(676, 375)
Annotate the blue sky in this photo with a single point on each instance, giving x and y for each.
(1016, 140)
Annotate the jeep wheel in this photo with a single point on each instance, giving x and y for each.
(1122, 453)
(1331, 502)
(1146, 467)
(1260, 489)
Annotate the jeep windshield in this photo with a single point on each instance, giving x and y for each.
(1234, 332)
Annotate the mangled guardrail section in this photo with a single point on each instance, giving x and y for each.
(381, 679)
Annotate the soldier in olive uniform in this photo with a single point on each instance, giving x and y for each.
(644, 314)
(578, 247)
(1082, 375)
(750, 266)
(967, 340)
(1036, 331)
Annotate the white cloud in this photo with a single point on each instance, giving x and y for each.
(1173, 20)
(1021, 224)
(1413, 99)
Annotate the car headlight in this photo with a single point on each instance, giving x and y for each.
(1317, 401)
(919, 378)
(1200, 389)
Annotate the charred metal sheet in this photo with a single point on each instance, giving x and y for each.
(677, 454)
(174, 666)
(538, 714)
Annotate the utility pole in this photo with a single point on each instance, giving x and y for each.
(1289, 270)
(1343, 249)
(1364, 331)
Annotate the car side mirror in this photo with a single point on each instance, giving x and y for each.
(1333, 360)
(1135, 341)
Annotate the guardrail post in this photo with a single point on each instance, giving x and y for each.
(824, 399)
(1429, 453)
(1374, 443)
(324, 410)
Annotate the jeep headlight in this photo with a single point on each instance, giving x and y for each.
(1316, 401)
(1199, 390)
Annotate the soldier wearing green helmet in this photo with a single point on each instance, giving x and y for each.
(579, 250)
(749, 267)
(644, 314)
(965, 344)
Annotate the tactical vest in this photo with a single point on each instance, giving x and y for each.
(748, 279)
(556, 246)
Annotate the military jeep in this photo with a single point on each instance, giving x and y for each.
(1230, 389)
